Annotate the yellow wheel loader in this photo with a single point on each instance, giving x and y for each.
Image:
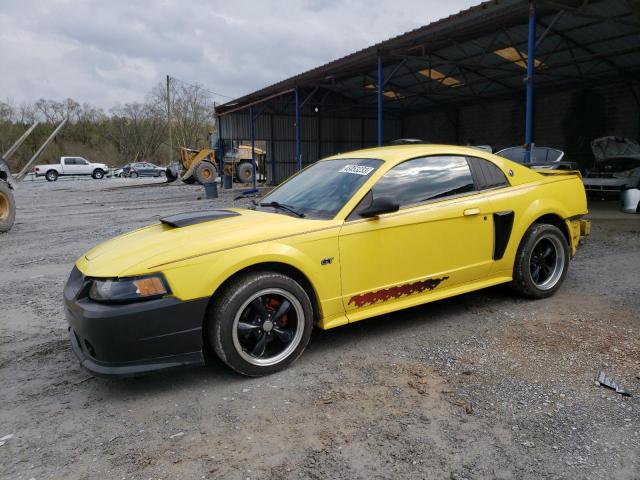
(202, 166)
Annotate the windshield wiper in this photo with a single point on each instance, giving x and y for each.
(282, 207)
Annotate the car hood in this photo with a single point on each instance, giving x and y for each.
(614, 149)
(157, 246)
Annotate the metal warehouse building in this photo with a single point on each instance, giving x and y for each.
(465, 77)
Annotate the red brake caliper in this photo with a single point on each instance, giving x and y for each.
(274, 304)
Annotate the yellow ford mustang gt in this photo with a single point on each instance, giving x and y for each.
(350, 237)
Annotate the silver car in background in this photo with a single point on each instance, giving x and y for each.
(616, 168)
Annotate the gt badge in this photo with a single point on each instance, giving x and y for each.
(326, 261)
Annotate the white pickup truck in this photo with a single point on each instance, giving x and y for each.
(71, 166)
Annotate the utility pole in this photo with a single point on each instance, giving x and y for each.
(169, 120)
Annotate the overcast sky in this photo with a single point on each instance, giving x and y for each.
(107, 52)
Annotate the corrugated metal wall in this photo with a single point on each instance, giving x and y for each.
(319, 137)
(566, 119)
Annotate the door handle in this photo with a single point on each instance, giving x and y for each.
(471, 211)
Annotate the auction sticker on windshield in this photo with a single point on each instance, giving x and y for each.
(357, 169)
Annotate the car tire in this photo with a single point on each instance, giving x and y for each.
(171, 174)
(245, 172)
(260, 323)
(51, 176)
(541, 262)
(133, 175)
(7, 207)
(98, 174)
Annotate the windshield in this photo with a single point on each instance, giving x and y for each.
(322, 189)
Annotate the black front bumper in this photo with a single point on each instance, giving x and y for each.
(134, 338)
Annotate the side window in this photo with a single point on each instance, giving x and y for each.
(71, 161)
(486, 174)
(427, 178)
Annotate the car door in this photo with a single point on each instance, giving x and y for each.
(70, 167)
(441, 237)
(83, 166)
(142, 169)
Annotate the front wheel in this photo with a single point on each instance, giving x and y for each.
(205, 172)
(260, 323)
(542, 261)
(98, 174)
(133, 174)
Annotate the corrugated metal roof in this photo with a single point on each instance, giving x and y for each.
(588, 41)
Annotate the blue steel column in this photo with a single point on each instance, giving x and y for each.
(224, 182)
(380, 86)
(298, 155)
(253, 146)
(531, 61)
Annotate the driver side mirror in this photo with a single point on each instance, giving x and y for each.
(379, 206)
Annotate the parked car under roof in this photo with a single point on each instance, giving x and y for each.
(616, 168)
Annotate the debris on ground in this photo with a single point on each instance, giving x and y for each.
(468, 406)
(420, 385)
(605, 381)
(4, 439)
(176, 435)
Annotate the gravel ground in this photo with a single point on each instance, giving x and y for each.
(481, 386)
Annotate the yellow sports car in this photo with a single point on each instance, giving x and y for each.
(350, 237)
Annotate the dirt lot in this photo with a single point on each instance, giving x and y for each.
(481, 386)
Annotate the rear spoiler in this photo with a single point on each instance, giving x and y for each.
(549, 172)
(553, 165)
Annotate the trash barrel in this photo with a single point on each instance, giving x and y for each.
(211, 189)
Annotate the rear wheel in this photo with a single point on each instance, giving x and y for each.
(51, 176)
(542, 261)
(260, 323)
(245, 172)
(7, 207)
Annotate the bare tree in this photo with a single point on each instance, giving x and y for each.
(192, 112)
(130, 132)
(137, 129)
(54, 112)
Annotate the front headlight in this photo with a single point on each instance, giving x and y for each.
(128, 289)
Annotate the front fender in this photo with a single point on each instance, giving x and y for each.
(212, 271)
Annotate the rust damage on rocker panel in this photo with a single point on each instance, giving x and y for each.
(395, 292)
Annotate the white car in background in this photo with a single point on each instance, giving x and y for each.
(71, 166)
(617, 166)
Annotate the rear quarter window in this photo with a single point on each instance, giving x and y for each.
(486, 174)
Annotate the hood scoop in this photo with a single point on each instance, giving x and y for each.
(193, 218)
